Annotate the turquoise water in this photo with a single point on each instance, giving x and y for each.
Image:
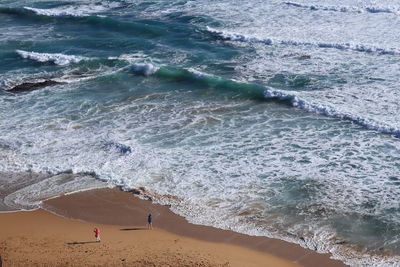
(281, 117)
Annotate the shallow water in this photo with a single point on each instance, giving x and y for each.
(281, 118)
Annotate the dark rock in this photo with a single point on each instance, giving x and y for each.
(26, 86)
(297, 56)
(303, 57)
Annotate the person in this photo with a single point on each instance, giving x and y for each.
(97, 234)
(149, 222)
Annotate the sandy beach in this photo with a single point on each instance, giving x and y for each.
(41, 238)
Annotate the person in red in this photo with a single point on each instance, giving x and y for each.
(97, 234)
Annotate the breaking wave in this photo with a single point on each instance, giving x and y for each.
(57, 58)
(74, 11)
(370, 9)
(254, 91)
(267, 41)
(137, 28)
(145, 69)
(55, 12)
(247, 90)
(31, 196)
(331, 112)
(257, 92)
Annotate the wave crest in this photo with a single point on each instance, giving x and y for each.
(260, 92)
(57, 58)
(254, 91)
(74, 11)
(295, 101)
(370, 9)
(224, 35)
(145, 69)
(54, 12)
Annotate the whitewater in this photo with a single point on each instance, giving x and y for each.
(276, 118)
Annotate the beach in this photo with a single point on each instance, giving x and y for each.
(271, 127)
(41, 238)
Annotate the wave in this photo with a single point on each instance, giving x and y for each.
(74, 10)
(57, 58)
(61, 59)
(137, 28)
(267, 41)
(253, 91)
(344, 9)
(203, 80)
(145, 69)
(58, 12)
(51, 12)
(31, 196)
(295, 101)
(256, 91)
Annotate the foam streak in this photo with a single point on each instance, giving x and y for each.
(343, 9)
(269, 93)
(331, 112)
(57, 58)
(267, 41)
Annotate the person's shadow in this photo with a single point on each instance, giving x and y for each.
(132, 229)
(81, 242)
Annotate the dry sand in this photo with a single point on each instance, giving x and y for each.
(40, 238)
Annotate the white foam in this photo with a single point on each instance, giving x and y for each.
(56, 12)
(369, 9)
(56, 58)
(75, 10)
(30, 197)
(131, 58)
(140, 63)
(268, 41)
(146, 69)
(199, 74)
(215, 170)
(330, 111)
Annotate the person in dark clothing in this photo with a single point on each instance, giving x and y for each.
(149, 222)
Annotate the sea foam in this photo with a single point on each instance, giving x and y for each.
(74, 11)
(331, 112)
(31, 196)
(369, 9)
(56, 58)
(236, 37)
(269, 93)
(144, 68)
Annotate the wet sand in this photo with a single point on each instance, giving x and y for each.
(39, 238)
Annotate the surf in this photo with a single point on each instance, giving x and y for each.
(259, 92)
(236, 37)
(253, 91)
(75, 10)
(89, 19)
(56, 58)
(368, 9)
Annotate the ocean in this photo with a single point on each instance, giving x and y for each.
(269, 118)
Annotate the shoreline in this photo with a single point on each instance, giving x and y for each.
(112, 207)
(40, 238)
